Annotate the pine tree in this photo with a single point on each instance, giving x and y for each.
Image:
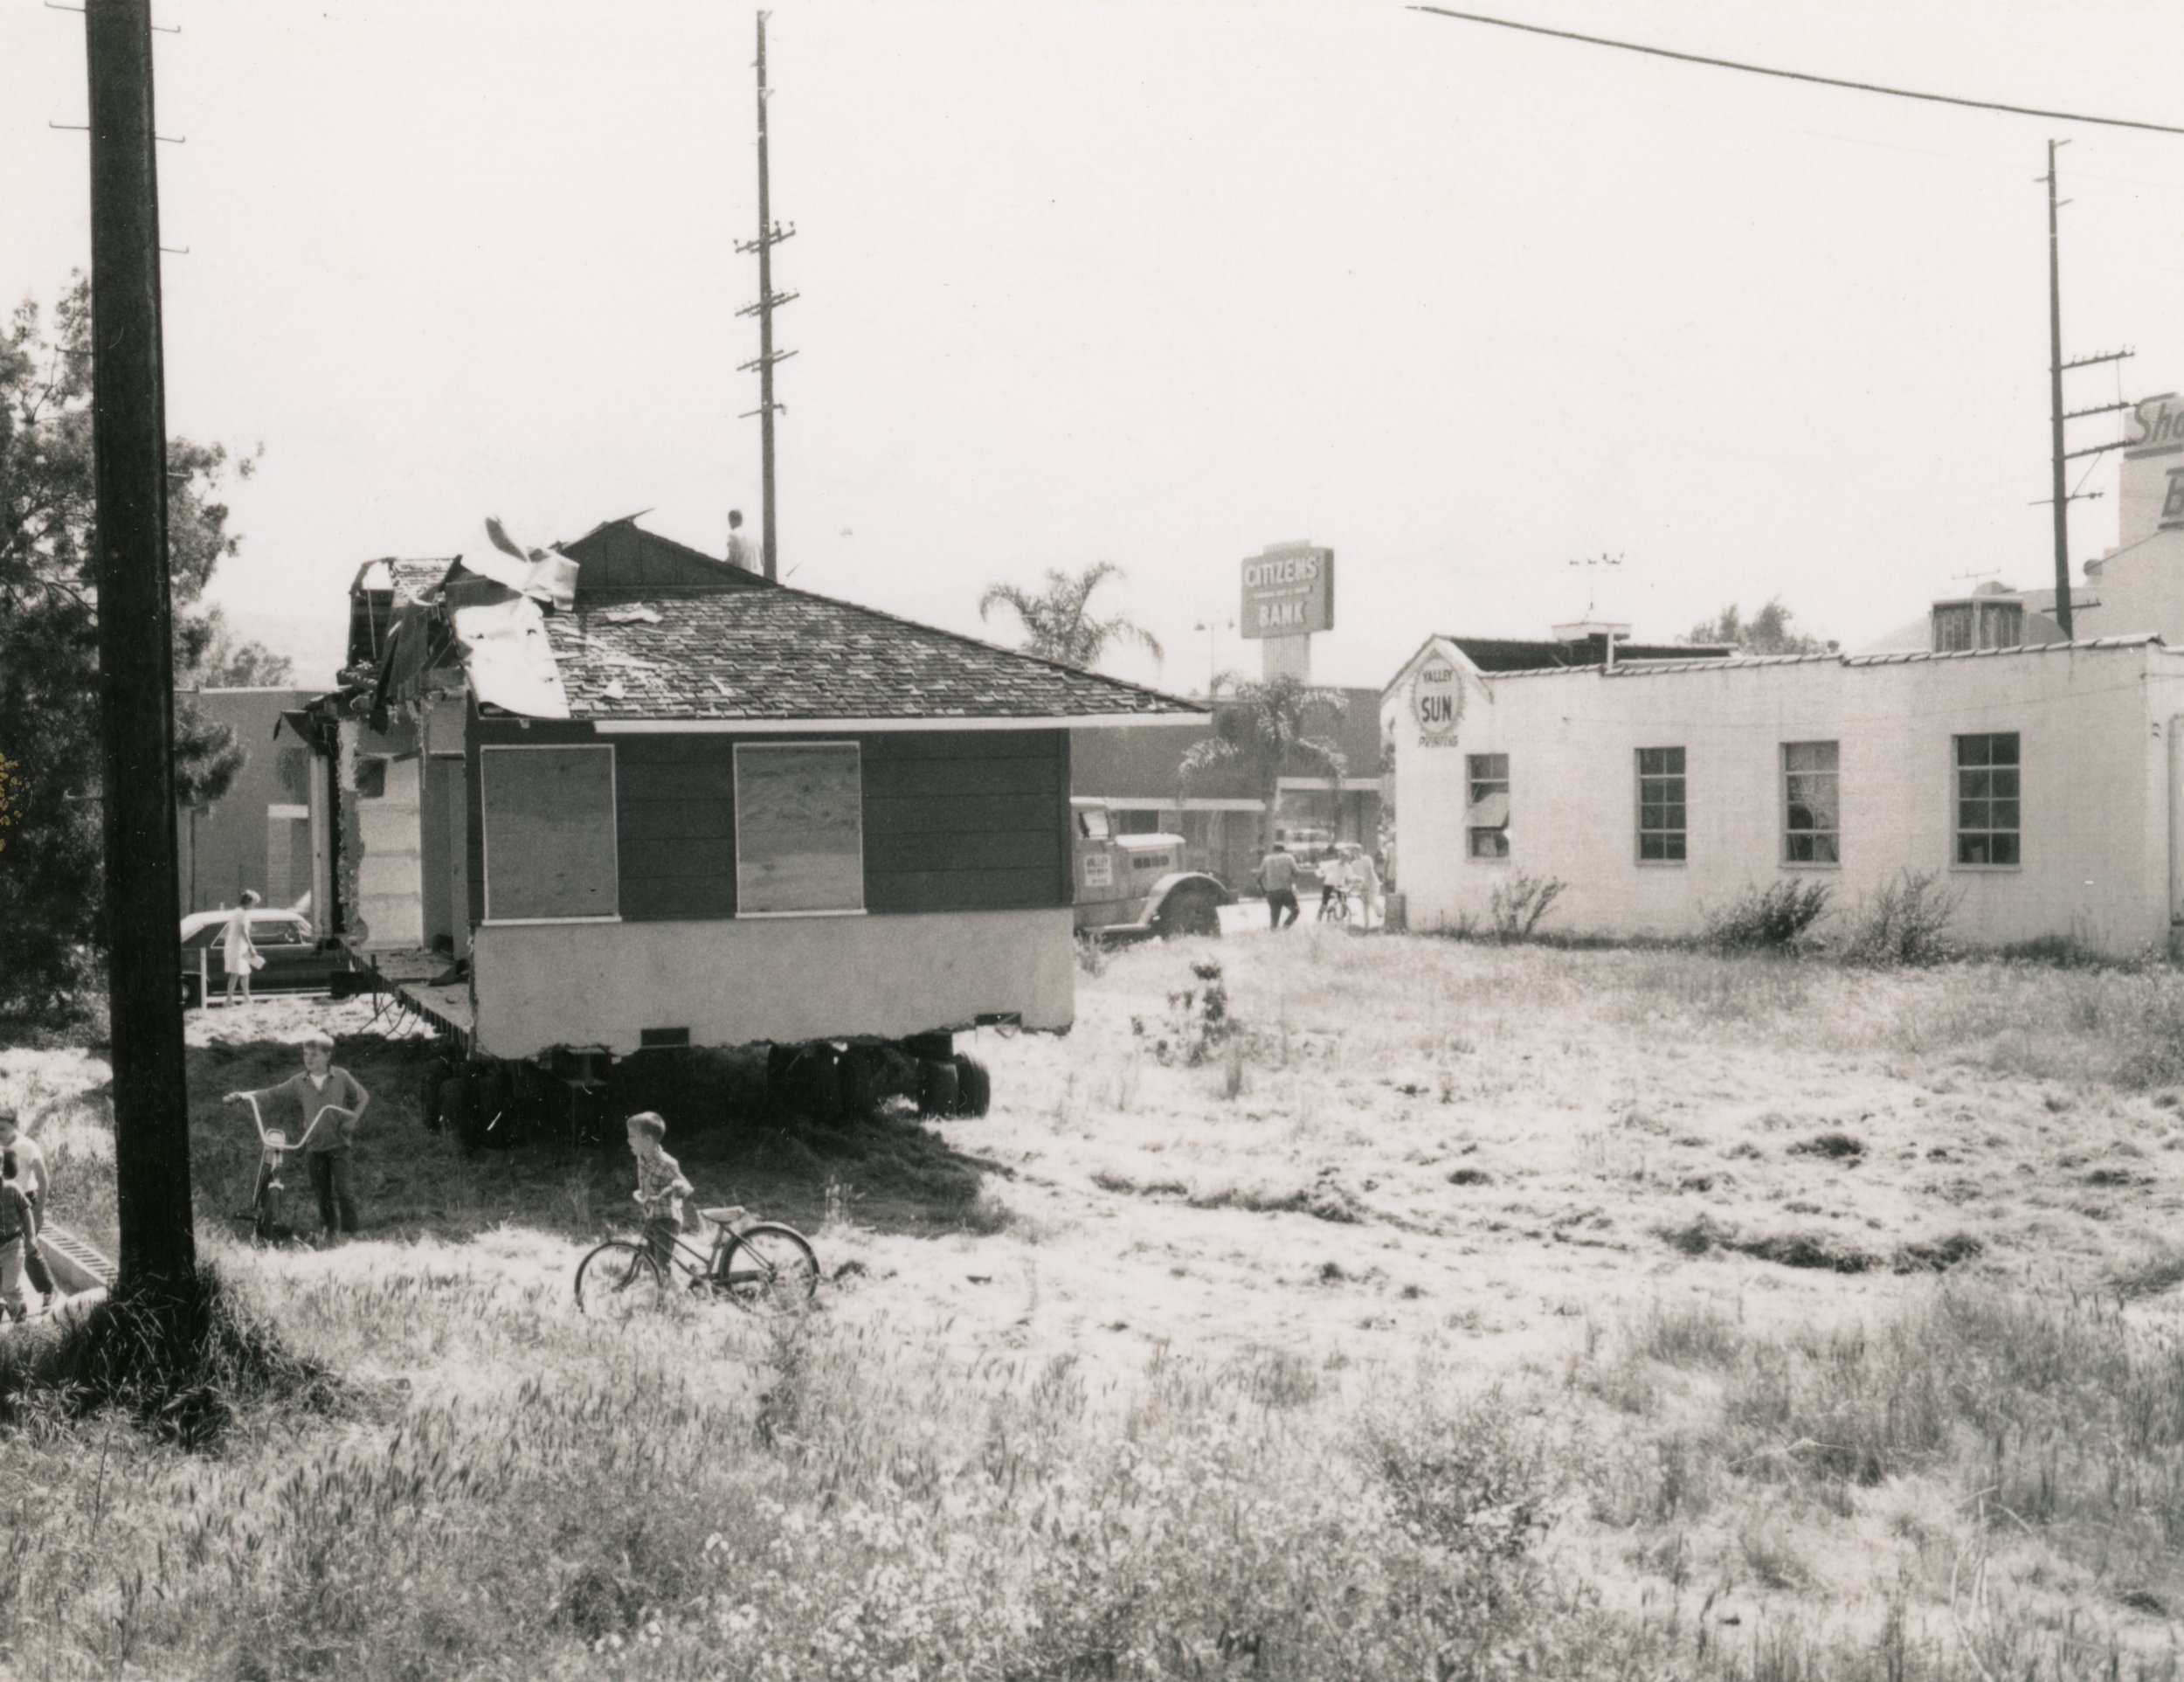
(51, 874)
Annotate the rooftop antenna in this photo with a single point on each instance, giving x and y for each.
(1602, 559)
(770, 234)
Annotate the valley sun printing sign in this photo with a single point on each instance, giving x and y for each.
(1437, 700)
(1288, 591)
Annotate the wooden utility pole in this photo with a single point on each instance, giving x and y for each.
(2059, 452)
(770, 235)
(136, 688)
(2055, 406)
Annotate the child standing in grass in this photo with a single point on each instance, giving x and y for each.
(330, 1103)
(31, 1176)
(660, 1187)
(18, 1232)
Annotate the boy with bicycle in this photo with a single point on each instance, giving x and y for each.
(331, 1103)
(660, 1187)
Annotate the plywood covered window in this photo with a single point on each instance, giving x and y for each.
(1661, 821)
(1812, 816)
(548, 820)
(1486, 814)
(1986, 799)
(799, 829)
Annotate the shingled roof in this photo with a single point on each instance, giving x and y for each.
(776, 654)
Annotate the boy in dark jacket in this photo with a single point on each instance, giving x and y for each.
(328, 1104)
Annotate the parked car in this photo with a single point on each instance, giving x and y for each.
(296, 959)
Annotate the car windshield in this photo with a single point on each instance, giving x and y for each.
(277, 932)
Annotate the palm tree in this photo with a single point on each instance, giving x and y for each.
(1057, 626)
(1266, 728)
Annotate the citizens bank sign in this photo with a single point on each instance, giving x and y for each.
(1288, 591)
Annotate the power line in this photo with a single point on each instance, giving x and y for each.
(1799, 75)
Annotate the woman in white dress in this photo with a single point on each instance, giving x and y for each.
(237, 953)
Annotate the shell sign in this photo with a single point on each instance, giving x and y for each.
(1437, 701)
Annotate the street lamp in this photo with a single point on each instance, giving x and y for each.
(1213, 630)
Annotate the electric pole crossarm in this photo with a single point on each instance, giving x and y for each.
(2087, 361)
(774, 302)
(2102, 409)
(766, 361)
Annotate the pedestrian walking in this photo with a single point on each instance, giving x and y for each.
(1277, 875)
(238, 953)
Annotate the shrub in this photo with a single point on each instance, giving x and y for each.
(1906, 922)
(1519, 904)
(1768, 918)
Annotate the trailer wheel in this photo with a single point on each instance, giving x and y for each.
(819, 1083)
(458, 1111)
(1188, 911)
(936, 1092)
(974, 1086)
(858, 1075)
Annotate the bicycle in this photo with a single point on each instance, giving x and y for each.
(762, 1267)
(263, 1216)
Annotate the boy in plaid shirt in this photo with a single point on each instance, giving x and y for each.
(660, 1187)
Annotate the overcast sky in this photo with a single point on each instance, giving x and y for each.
(1158, 284)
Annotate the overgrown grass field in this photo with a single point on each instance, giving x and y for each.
(1408, 1308)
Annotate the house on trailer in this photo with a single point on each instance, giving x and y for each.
(620, 795)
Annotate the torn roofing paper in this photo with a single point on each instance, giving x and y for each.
(511, 663)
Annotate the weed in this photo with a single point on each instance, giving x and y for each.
(1836, 1147)
(1905, 922)
(1518, 905)
(1770, 919)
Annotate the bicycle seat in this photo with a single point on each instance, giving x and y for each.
(732, 1218)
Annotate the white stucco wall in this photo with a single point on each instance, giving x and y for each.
(388, 888)
(734, 982)
(2095, 817)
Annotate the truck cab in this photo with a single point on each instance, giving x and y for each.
(1129, 886)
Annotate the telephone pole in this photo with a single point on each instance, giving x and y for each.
(770, 234)
(136, 689)
(2055, 406)
(2058, 453)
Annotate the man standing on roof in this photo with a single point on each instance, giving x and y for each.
(741, 550)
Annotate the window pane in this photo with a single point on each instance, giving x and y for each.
(548, 815)
(2005, 848)
(1676, 817)
(1972, 750)
(2004, 748)
(1971, 849)
(1653, 817)
(1489, 844)
(2004, 815)
(2005, 782)
(1800, 850)
(1824, 850)
(799, 829)
(1809, 756)
(1675, 849)
(1652, 847)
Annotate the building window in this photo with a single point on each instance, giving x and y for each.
(371, 778)
(799, 829)
(1486, 819)
(1811, 830)
(1661, 805)
(548, 820)
(1986, 799)
(1983, 622)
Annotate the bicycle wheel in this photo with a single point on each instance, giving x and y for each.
(768, 1269)
(616, 1277)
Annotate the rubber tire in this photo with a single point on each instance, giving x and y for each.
(818, 1084)
(458, 1111)
(858, 1080)
(790, 1292)
(192, 999)
(974, 1086)
(937, 1090)
(493, 1093)
(622, 1274)
(1190, 911)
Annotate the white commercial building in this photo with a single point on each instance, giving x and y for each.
(2042, 778)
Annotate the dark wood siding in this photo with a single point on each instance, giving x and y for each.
(954, 820)
(963, 821)
(677, 827)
